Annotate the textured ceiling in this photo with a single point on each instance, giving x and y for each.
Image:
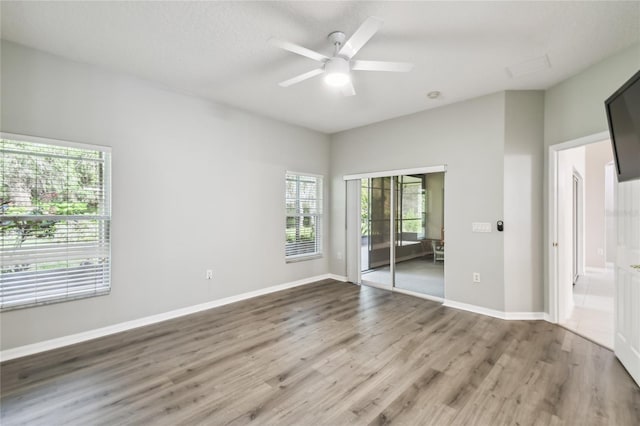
(219, 50)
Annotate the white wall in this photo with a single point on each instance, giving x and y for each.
(597, 156)
(195, 186)
(574, 108)
(523, 166)
(469, 138)
(570, 161)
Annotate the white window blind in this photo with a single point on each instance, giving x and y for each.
(303, 216)
(54, 222)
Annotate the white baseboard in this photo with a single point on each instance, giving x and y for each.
(59, 342)
(520, 316)
(473, 308)
(337, 277)
(525, 316)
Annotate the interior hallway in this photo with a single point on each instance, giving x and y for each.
(592, 315)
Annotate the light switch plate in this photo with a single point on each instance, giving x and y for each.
(481, 227)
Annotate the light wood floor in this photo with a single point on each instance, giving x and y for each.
(328, 353)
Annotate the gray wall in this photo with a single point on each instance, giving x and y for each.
(493, 149)
(221, 163)
(574, 108)
(469, 138)
(195, 186)
(435, 208)
(523, 167)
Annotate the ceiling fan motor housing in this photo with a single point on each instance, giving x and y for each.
(337, 38)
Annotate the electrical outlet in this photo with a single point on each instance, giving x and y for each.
(339, 255)
(476, 277)
(209, 274)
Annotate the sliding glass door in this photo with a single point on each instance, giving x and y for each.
(376, 213)
(401, 236)
(419, 234)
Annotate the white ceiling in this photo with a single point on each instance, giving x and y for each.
(219, 50)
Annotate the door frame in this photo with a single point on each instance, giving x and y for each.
(578, 225)
(356, 256)
(552, 217)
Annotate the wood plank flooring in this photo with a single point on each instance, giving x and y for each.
(328, 353)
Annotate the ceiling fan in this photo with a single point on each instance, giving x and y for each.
(337, 68)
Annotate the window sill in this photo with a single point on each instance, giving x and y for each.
(52, 301)
(302, 258)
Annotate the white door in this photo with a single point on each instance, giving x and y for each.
(627, 264)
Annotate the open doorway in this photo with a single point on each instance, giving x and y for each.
(402, 244)
(585, 281)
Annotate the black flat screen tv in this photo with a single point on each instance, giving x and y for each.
(623, 114)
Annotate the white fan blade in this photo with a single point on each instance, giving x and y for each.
(347, 89)
(361, 36)
(298, 49)
(381, 66)
(301, 77)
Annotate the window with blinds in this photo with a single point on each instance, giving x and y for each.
(54, 222)
(303, 228)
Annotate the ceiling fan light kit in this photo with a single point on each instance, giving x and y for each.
(336, 72)
(337, 68)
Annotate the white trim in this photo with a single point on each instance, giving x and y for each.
(353, 230)
(525, 316)
(318, 216)
(420, 295)
(581, 222)
(302, 257)
(552, 234)
(510, 316)
(392, 228)
(49, 141)
(399, 172)
(59, 342)
(585, 140)
(473, 308)
(291, 172)
(552, 215)
(340, 278)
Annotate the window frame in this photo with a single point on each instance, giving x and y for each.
(318, 217)
(107, 217)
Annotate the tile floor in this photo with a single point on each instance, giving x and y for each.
(592, 315)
